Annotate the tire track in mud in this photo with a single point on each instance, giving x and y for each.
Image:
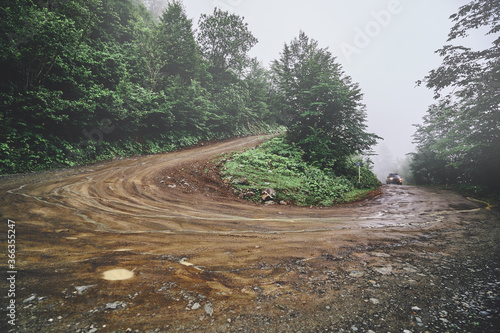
(166, 194)
(187, 237)
(129, 199)
(88, 196)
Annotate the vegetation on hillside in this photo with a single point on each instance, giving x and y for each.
(314, 163)
(92, 80)
(321, 105)
(282, 167)
(459, 140)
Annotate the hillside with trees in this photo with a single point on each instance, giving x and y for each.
(459, 140)
(321, 105)
(86, 81)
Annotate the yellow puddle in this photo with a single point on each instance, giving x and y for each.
(117, 274)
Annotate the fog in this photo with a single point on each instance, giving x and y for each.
(384, 45)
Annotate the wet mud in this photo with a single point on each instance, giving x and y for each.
(160, 244)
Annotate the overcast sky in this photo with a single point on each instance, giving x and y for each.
(384, 45)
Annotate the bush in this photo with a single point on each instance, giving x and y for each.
(281, 166)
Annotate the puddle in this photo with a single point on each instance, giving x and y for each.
(117, 274)
(185, 263)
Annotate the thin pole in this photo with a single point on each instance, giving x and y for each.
(359, 174)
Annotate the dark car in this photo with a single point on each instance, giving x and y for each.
(394, 178)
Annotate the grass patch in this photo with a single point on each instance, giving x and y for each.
(279, 165)
(359, 194)
(477, 192)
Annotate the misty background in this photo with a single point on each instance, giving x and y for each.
(384, 45)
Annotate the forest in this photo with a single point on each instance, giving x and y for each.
(459, 140)
(91, 80)
(86, 81)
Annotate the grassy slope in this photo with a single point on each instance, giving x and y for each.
(278, 165)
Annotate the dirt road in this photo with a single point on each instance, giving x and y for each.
(159, 244)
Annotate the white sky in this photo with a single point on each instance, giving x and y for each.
(397, 49)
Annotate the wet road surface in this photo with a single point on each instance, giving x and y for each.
(159, 244)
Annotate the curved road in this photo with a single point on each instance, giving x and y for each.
(198, 259)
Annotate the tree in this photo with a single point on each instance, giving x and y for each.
(258, 81)
(177, 41)
(147, 44)
(224, 41)
(89, 80)
(463, 131)
(321, 105)
(155, 7)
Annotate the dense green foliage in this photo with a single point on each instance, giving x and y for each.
(315, 162)
(91, 80)
(280, 165)
(321, 105)
(459, 141)
(225, 41)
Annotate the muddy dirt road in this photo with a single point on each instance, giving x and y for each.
(159, 244)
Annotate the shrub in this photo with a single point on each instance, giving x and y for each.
(281, 166)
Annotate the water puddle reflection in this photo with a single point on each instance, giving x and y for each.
(117, 274)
